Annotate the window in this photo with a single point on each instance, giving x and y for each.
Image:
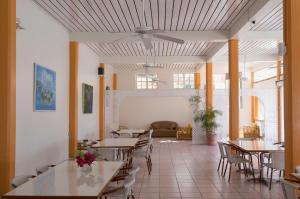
(266, 73)
(183, 80)
(219, 81)
(146, 81)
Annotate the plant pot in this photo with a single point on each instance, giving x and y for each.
(211, 139)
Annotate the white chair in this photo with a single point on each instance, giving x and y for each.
(222, 157)
(144, 150)
(19, 180)
(237, 159)
(103, 154)
(276, 164)
(289, 189)
(42, 169)
(122, 189)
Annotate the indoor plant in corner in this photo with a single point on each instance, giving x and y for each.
(207, 118)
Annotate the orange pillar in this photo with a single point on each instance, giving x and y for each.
(197, 79)
(291, 84)
(233, 89)
(101, 105)
(7, 93)
(253, 117)
(73, 98)
(278, 101)
(209, 85)
(114, 81)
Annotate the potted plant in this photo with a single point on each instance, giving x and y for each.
(207, 118)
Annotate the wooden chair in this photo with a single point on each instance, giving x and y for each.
(223, 157)
(122, 189)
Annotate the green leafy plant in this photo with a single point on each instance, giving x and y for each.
(207, 118)
(195, 101)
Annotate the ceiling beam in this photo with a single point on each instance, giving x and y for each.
(158, 60)
(261, 35)
(250, 58)
(212, 36)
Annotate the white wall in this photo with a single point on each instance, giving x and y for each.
(42, 137)
(88, 124)
(140, 112)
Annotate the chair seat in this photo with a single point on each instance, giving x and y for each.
(238, 159)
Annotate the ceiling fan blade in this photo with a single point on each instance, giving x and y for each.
(153, 31)
(168, 38)
(125, 38)
(147, 43)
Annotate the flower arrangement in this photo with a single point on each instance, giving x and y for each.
(86, 158)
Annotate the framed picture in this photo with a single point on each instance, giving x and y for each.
(87, 98)
(44, 89)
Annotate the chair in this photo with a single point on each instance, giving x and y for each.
(297, 170)
(237, 159)
(103, 154)
(144, 150)
(222, 157)
(289, 189)
(42, 169)
(114, 134)
(122, 189)
(19, 180)
(277, 163)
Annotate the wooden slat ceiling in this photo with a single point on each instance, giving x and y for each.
(160, 48)
(272, 20)
(125, 15)
(180, 67)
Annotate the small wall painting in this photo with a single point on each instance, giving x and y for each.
(87, 98)
(44, 89)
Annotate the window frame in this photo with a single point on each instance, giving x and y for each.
(147, 82)
(184, 83)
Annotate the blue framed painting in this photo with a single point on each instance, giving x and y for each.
(44, 89)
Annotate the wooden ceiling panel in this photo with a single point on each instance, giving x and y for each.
(272, 20)
(125, 15)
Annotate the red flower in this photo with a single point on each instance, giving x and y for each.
(87, 158)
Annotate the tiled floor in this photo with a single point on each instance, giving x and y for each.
(183, 170)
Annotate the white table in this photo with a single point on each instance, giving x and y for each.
(116, 143)
(66, 180)
(131, 132)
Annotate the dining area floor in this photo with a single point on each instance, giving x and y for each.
(183, 170)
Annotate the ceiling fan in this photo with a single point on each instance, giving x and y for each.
(147, 33)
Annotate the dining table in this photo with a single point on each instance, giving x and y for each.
(116, 143)
(131, 132)
(259, 147)
(67, 180)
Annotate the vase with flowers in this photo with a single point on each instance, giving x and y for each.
(85, 160)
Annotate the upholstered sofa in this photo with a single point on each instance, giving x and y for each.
(164, 128)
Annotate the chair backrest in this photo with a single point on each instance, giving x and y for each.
(277, 159)
(289, 189)
(42, 169)
(19, 180)
(297, 170)
(103, 154)
(150, 134)
(228, 152)
(221, 148)
(114, 134)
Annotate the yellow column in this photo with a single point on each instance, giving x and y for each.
(101, 105)
(114, 81)
(209, 85)
(291, 84)
(233, 89)
(7, 93)
(279, 101)
(197, 79)
(252, 99)
(73, 98)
